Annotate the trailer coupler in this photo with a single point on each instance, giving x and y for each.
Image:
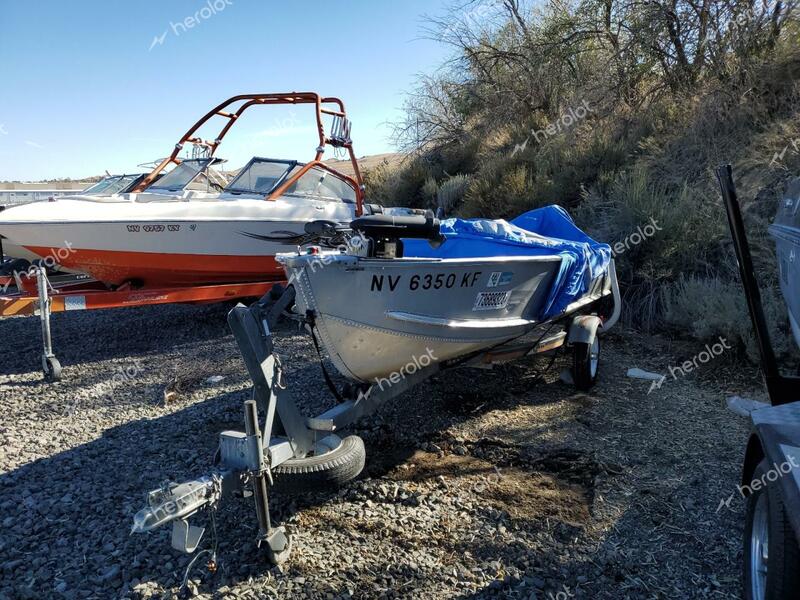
(175, 503)
(243, 471)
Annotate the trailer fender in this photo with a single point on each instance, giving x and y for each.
(752, 458)
(583, 330)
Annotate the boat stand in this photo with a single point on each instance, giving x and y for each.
(50, 365)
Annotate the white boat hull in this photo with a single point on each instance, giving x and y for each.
(173, 242)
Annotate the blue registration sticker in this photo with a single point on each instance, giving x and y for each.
(499, 279)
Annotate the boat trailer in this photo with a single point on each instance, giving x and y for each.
(770, 481)
(248, 463)
(37, 293)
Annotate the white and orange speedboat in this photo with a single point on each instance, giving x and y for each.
(168, 231)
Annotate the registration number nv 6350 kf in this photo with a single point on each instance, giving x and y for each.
(428, 281)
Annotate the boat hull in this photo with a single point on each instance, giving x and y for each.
(409, 312)
(160, 244)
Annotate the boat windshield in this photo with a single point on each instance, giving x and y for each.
(182, 175)
(261, 176)
(109, 186)
(320, 184)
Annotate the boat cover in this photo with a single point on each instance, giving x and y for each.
(541, 232)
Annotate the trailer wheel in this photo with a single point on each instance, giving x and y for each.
(51, 368)
(327, 470)
(17, 265)
(771, 553)
(587, 364)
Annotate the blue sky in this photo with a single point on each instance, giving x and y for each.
(105, 84)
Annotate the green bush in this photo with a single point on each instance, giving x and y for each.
(451, 193)
(710, 308)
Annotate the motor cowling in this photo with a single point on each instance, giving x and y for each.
(386, 232)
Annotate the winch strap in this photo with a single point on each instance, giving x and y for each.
(325, 374)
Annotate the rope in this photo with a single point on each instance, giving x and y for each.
(311, 321)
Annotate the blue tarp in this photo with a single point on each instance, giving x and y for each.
(544, 231)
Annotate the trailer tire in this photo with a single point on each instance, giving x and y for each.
(766, 524)
(587, 364)
(17, 265)
(51, 368)
(325, 471)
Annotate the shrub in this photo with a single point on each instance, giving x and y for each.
(451, 193)
(710, 308)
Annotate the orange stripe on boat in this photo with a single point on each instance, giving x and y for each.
(161, 269)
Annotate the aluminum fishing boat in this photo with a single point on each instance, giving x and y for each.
(786, 232)
(396, 300)
(408, 290)
(166, 232)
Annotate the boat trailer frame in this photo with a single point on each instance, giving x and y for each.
(244, 460)
(41, 294)
(774, 437)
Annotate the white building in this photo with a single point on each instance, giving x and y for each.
(19, 193)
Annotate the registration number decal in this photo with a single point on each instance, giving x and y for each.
(491, 300)
(498, 279)
(428, 281)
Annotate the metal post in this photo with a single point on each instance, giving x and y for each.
(50, 365)
(278, 543)
(257, 466)
(781, 390)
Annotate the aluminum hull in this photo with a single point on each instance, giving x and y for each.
(170, 242)
(382, 318)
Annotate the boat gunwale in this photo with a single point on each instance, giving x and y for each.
(355, 262)
(785, 232)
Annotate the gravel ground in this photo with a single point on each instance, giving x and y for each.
(478, 484)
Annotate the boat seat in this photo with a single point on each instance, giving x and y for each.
(391, 227)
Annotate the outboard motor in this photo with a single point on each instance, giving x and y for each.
(385, 233)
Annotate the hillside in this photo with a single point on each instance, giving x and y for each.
(620, 112)
(367, 163)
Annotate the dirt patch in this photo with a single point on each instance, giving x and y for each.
(522, 493)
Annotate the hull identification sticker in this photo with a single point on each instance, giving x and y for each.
(491, 300)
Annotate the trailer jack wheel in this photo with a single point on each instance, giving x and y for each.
(51, 368)
(587, 364)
